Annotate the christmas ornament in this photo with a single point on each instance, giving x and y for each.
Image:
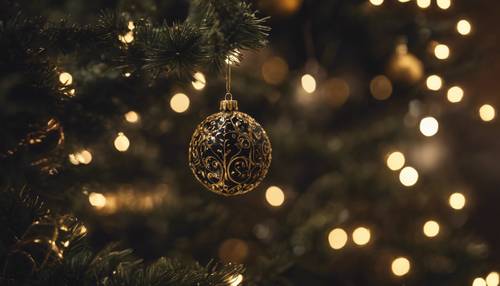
(404, 66)
(229, 152)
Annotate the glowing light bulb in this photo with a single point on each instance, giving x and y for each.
(376, 2)
(199, 81)
(431, 228)
(408, 176)
(235, 280)
(404, 1)
(444, 4)
(493, 279)
(361, 236)
(131, 25)
(179, 102)
(479, 282)
(400, 266)
(308, 83)
(423, 3)
(455, 94)
(121, 142)
(429, 126)
(441, 51)
(65, 78)
(275, 196)
(487, 112)
(337, 238)
(457, 201)
(127, 38)
(434, 82)
(132, 117)
(464, 27)
(97, 200)
(395, 160)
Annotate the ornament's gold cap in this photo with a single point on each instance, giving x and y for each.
(228, 105)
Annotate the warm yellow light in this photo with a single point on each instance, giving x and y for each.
(464, 27)
(73, 160)
(400, 266)
(479, 282)
(131, 25)
(121, 142)
(408, 176)
(487, 112)
(235, 280)
(381, 87)
(434, 82)
(424, 3)
(127, 38)
(361, 236)
(444, 4)
(493, 279)
(65, 78)
(431, 228)
(455, 94)
(97, 200)
(395, 160)
(376, 2)
(404, 1)
(199, 81)
(132, 116)
(275, 196)
(85, 157)
(441, 51)
(179, 102)
(429, 126)
(308, 83)
(337, 238)
(457, 201)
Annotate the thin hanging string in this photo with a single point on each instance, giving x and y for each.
(228, 95)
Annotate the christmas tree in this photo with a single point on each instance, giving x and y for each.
(376, 175)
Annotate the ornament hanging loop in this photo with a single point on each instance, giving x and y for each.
(228, 104)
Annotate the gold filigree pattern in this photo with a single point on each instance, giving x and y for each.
(229, 153)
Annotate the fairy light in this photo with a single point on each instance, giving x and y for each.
(121, 142)
(408, 176)
(457, 201)
(404, 1)
(199, 81)
(441, 51)
(434, 82)
(479, 282)
(444, 4)
(131, 25)
(361, 236)
(464, 27)
(376, 2)
(132, 117)
(455, 94)
(65, 78)
(431, 228)
(487, 112)
(493, 279)
(97, 200)
(235, 280)
(127, 38)
(400, 266)
(424, 3)
(395, 160)
(275, 196)
(179, 102)
(429, 126)
(81, 157)
(337, 238)
(308, 83)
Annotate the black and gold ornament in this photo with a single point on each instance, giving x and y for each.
(229, 152)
